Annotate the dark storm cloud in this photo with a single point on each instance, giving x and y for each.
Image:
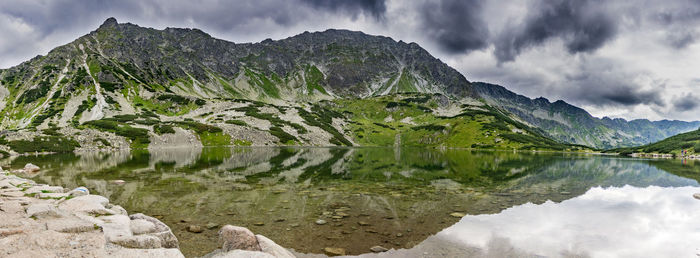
(583, 25)
(594, 86)
(377, 8)
(679, 24)
(686, 102)
(457, 26)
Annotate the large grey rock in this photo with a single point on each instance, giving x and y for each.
(234, 237)
(44, 189)
(69, 225)
(141, 226)
(272, 248)
(31, 168)
(11, 207)
(138, 241)
(91, 204)
(43, 210)
(378, 249)
(119, 210)
(116, 227)
(162, 231)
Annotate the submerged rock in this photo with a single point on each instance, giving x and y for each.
(334, 251)
(195, 229)
(457, 214)
(321, 222)
(378, 249)
(212, 225)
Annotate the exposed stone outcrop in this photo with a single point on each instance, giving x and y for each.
(44, 221)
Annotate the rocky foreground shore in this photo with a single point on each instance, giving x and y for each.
(50, 221)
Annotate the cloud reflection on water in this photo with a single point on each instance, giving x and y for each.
(604, 222)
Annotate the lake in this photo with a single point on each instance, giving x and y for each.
(448, 202)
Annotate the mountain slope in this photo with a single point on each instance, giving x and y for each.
(125, 86)
(571, 124)
(690, 142)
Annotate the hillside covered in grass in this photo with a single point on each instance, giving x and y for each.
(689, 141)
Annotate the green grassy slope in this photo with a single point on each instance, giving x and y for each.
(689, 141)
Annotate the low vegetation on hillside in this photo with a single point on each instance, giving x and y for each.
(690, 142)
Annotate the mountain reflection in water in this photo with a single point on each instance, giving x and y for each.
(396, 198)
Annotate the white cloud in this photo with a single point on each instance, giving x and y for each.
(604, 222)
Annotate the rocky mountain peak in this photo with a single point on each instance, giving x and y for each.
(110, 22)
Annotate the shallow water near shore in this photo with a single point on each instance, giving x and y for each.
(355, 198)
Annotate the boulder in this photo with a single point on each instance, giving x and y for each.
(43, 210)
(138, 241)
(378, 249)
(142, 226)
(234, 237)
(31, 168)
(696, 196)
(91, 204)
(167, 238)
(272, 248)
(457, 214)
(334, 251)
(70, 225)
(195, 229)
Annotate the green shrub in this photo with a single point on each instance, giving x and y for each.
(283, 136)
(199, 127)
(44, 144)
(138, 136)
(236, 122)
(163, 129)
(430, 127)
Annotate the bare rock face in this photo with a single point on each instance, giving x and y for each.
(238, 238)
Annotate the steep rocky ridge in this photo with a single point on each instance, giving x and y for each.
(571, 124)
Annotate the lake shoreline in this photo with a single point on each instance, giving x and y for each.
(42, 220)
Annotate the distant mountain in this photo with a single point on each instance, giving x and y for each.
(690, 142)
(571, 124)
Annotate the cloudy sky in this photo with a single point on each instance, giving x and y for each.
(627, 58)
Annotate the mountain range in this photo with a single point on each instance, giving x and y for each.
(125, 85)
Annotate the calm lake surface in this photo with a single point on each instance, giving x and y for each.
(516, 204)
